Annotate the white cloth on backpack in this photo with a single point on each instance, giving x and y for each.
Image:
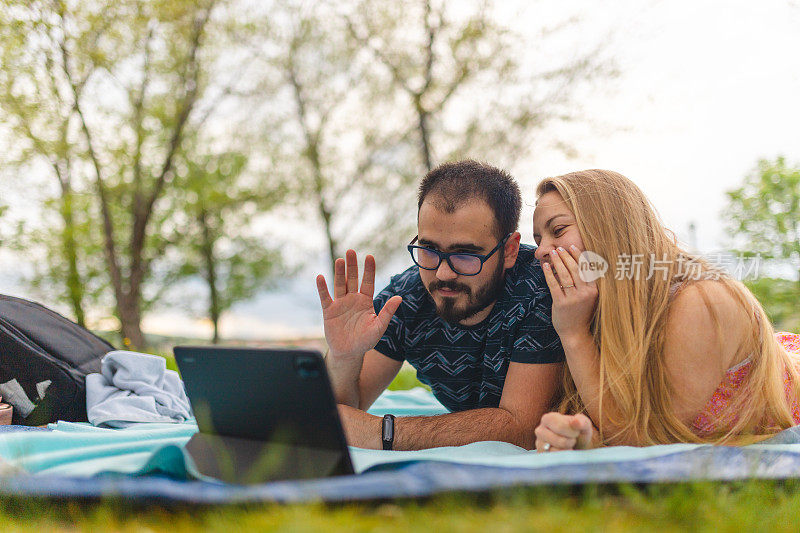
(134, 387)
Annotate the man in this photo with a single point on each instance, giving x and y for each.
(474, 322)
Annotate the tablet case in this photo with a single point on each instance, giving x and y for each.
(263, 414)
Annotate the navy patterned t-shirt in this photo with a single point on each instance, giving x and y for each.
(466, 366)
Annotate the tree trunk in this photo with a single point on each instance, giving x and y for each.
(424, 137)
(130, 317)
(207, 248)
(333, 246)
(75, 289)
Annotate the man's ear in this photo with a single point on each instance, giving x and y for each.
(511, 250)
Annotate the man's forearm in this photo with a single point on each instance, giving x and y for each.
(344, 373)
(457, 429)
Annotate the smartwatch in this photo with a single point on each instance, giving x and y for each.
(387, 431)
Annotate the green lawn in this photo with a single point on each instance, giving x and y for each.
(752, 506)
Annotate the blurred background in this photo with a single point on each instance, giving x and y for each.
(175, 169)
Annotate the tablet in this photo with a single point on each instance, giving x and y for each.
(263, 414)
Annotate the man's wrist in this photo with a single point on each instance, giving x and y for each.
(343, 357)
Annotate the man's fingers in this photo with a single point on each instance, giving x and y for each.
(339, 282)
(352, 270)
(389, 308)
(324, 295)
(368, 283)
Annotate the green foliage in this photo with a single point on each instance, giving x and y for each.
(764, 218)
(780, 298)
(764, 214)
(105, 93)
(214, 215)
(406, 379)
(68, 266)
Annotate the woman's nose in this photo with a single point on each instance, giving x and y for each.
(543, 250)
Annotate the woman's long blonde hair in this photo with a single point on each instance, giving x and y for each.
(616, 220)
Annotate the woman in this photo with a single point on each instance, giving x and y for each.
(663, 347)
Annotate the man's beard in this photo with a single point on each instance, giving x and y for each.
(483, 298)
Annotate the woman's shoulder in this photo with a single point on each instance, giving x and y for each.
(707, 326)
(708, 320)
(698, 302)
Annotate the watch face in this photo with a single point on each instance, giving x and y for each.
(388, 428)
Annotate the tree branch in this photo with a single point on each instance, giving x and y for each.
(108, 225)
(191, 85)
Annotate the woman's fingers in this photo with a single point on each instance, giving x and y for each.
(557, 431)
(564, 276)
(541, 446)
(552, 282)
(546, 435)
(584, 425)
(559, 424)
(572, 266)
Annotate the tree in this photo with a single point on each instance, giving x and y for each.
(378, 93)
(40, 114)
(330, 154)
(217, 237)
(128, 81)
(462, 81)
(764, 219)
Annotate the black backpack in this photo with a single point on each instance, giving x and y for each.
(44, 359)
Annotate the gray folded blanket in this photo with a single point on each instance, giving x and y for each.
(135, 387)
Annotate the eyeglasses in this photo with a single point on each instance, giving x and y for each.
(462, 263)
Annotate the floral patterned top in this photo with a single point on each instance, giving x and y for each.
(707, 422)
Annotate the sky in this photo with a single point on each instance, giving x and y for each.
(706, 88)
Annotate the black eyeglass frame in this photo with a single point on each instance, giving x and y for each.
(445, 256)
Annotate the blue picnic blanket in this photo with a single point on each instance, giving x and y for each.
(148, 461)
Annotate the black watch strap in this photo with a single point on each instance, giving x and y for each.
(387, 431)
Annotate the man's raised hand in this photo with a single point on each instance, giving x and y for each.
(351, 325)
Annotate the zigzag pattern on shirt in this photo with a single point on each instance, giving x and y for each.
(444, 365)
(497, 362)
(490, 389)
(457, 395)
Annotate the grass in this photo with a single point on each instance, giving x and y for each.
(749, 506)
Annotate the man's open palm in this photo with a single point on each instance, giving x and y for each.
(351, 325)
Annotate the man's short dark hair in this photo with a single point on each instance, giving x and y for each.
(454, 184)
